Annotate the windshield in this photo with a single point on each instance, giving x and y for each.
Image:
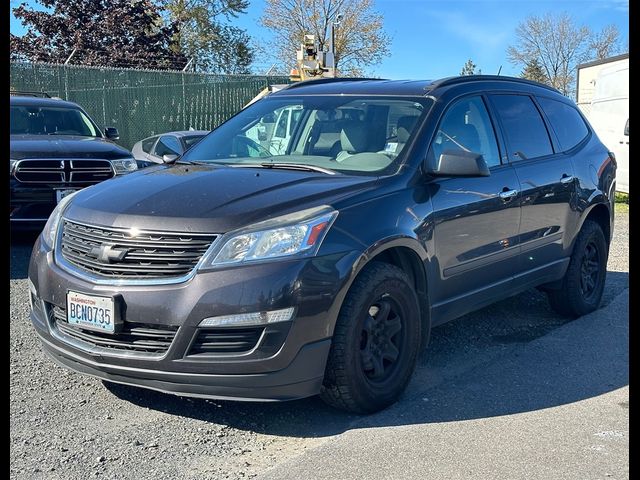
(33, 120)
(357, 135)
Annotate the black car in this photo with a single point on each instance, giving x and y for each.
(395, 207)
(56, 149)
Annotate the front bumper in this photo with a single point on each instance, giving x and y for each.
(287, 362)
(30, 205)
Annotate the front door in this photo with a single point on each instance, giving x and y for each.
(476, 220)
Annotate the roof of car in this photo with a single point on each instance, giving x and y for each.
(181, 133)
(187, 133)
(41, 102)
(373, 86)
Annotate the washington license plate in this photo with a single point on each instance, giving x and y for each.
(91, 311)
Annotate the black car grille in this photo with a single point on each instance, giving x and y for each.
(79, 171)
(134, 337)
(225, 340)
(110, 252)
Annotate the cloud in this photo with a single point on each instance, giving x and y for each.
(473, 32)
(622, 5)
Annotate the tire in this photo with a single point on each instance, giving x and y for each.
(375, 343)
(582, 285)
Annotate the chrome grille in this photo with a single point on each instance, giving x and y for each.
(134, 337)
(113, 252)
(78, 171)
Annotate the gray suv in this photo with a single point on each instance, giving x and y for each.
(395, 206)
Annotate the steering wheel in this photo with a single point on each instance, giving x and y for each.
(250, 144)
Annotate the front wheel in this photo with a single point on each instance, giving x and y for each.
(582, 286)
(375, 342)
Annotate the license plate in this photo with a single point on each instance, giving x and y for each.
(60, 194)
(91, 312)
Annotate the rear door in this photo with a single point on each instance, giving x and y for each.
(546, 178)
(475, 219)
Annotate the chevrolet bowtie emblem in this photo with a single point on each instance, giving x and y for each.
(107, 253)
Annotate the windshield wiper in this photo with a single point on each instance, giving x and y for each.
(299, 166)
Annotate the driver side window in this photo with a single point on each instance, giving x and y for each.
(466, 126)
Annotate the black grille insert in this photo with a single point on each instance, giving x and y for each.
(134, 337)
(225, 340)
(79, 171)
(111, 252)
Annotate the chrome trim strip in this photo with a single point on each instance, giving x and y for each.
(88, 277)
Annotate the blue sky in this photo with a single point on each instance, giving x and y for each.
(434, 38)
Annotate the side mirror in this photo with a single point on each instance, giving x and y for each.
(111, 133)
(458, 163)
(626, 128)
(169, 157)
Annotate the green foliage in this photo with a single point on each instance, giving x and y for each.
(534, 71)
(205, 35)
(125, 33)
(621, 202)
(469, 68)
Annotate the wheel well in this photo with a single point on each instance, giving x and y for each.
(600, 214)
(410, 262)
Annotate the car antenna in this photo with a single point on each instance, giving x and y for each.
(499, 70)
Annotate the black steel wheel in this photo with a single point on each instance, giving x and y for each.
(582, 286)
(375, 343)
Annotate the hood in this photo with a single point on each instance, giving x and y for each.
(68, 146)
(196, 198)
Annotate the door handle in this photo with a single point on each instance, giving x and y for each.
(508, 194)
(566, 179)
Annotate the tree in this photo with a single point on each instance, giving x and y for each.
(606, 43)
(559, 45)
(534, 71)
(122, 33)
(360, 40)
(204, 34)
(470, 69)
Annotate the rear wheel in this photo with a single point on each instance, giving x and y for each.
(582, 286)
(375, 343)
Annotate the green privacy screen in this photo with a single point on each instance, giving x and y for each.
(140, 103)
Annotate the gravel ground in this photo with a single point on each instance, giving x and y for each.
(67, 426)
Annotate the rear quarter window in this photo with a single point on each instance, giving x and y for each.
(147, 144)
(565, 121)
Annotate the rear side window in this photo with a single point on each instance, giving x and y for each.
(565, 121)
(524, 128)
(147, 144)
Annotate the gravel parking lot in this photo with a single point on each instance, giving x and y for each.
(67, 426)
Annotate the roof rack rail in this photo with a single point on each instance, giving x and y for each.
(469, 78)
(26, 93)
(328, 80)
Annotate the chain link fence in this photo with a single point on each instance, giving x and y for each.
(140, 103)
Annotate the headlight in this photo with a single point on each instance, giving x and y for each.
(51, 227)
(12, 164)
(124, 165)
(298, 234)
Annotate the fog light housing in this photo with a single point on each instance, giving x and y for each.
(249, 319)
